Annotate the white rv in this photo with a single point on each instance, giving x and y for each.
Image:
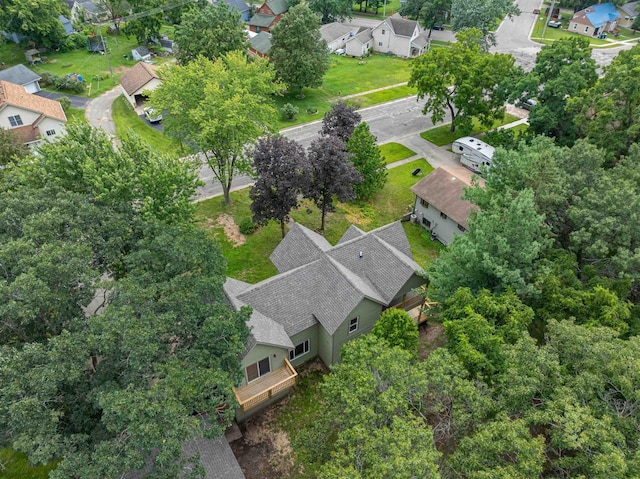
(473, 153)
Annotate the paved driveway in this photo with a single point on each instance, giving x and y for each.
(98, 111)
(76, 101)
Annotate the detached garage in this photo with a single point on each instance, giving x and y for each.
(138, 81)
(21, 75)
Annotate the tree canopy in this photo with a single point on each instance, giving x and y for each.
(340, 121)
(298, 52)
(219, 32)
(219, 108)
(463, 81)
(368, 161)
(37, 21)
(483, 15)
(332, 10)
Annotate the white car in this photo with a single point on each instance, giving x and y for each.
(152, 115)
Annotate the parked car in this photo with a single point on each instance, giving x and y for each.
(340, 51)
(438, 27)
(529, 103)
(554, 24)
(153, 116)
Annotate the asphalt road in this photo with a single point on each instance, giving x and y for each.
(76, 101)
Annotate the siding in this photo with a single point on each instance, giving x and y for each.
(312, 335)
(261, 351)
(368, 312)
(445, 229)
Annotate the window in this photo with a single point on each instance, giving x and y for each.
(443, 216)
(51, 132)
(379, 44)
(299, 350)
(586, 29)
(256, 370)
(353, 325)
(424, 203)
(575, 26)
(462, 228)
(15, 120)
(426, 222)
(383, 31)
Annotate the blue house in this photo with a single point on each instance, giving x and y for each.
(595, 20)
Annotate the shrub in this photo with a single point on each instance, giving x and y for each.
(289, 111)
(397, 328)
(311, 110)
(247, 226)
(67, 83)
(65, 102)
(75, 41)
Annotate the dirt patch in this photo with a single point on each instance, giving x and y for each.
(121, 69)
(231, 229)
(431, 337)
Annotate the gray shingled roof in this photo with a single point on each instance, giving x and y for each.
(352, 232)
(216, 457)
(421, 40)
(300, 246)
(19, 74)
(278, 6)
(402, 27)
(363, 37)
(260, 20)
(332, 31)
(444, 189)
(261, 42)
(394, 234)
(238, 5)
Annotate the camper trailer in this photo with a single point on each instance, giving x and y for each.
(473, 153)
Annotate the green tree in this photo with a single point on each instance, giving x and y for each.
(563, 70)
(332, 174)
(217, 108)
(219, 32)
(428, 12)
(483, 15)
(37, 21)
(398, 329)
(298, 52)
(116, 10)
(368, 161)
(332, 10)
(463, 81)
(283, 173)
(11, 148)
(607, 113)
(146, 20)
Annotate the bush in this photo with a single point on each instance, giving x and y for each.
(75, 41)
(397, 327)
(67, 83)
(65, 102)
(247, 226)
(289, 111)
(311, 110)
(47, 78)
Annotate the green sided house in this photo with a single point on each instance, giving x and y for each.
(322, 297)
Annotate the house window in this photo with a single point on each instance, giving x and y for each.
(424, 202)
(426, 222)
(300, 350)
(15, 120)
(575, 26)
(443, 216)
(462, 228)
(379, 44)
(383, 31)
(353, 325)
(256, 370)
(586, 29)
(51, 132)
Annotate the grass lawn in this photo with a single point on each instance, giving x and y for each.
(393, 152)
(442, 135)
(348, 76)
(558, 33)
(250, 262)
(392, 6)
(126, 120)
(75, 114)
(382, 96)
(16, 466)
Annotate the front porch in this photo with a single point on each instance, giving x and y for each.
(264, 388)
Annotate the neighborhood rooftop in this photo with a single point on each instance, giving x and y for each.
(16, 95)
(19, 74)
(138, 76)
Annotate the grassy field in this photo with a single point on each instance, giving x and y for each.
(16, 466)
(250, 261)
(393, 152)
(442, 135)
(75, 114)
(348, 76)
(382, 96)
(126, 121)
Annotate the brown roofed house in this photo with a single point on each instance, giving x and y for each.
(31, 117)
(138, 81)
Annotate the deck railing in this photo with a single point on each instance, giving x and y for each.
(270, 389)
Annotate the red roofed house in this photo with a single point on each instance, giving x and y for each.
(268, 15)
(138, 81)
(31, 117)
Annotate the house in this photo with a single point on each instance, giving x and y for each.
(216, 458)
(138, 81)
(322, 297)
(241, 7)
(141, 53)
(439, 206)
(21, 75)
(260, 44)
(87, 11)
(595, 20)
(268, 15)
(336, 34)
(474, 153)
(360, 44)
(168, 45)
(398, 36)
(31, 117)
(66, 24)
(628, 14)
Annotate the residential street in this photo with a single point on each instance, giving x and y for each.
(76, 101)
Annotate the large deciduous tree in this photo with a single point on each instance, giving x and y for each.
(217, 108)
(298, 52)
(332, 174)
(608, 113)
(563, 70)
(116, 10)
(282, 173)
(463, 81)
(148, 21)
(368, 161)
(218, 28)
(483, 15)
(37, 21)
(332, 10)
(11, 147)
(340, 121)
(428, 12)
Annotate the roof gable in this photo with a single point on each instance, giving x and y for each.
(16, 95)
(261, 20)
(333, 31)
(137, 77)
(300, 246)
(599, 15)
(19, 74)
(261, 42)
(278, 6)
(401, 26)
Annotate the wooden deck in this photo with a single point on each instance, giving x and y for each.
(260, 390)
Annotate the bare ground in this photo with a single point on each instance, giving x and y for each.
(231, 229)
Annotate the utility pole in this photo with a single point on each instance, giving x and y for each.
(106, 54)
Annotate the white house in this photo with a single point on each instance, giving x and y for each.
(21, 75)
(400, 37)
(360, 44)
(628, 14)
(336, 34)
(32, 118)
(439, 206)
(138, 81)
(141, 53)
